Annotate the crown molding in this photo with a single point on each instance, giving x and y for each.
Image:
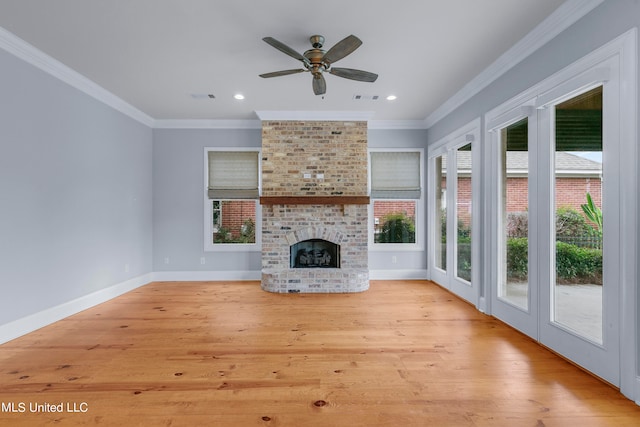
(565, 16)
(30, 54)
(338, 116)
(257, 124)
(207, 124)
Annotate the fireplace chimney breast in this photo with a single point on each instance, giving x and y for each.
(314, 187)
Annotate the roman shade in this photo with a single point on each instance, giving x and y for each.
(233, 175)
(395, 175)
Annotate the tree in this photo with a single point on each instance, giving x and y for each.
(397, 228)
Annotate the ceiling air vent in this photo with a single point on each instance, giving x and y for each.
(203, 96)
(365, 97)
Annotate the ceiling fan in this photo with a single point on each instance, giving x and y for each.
(317, 61)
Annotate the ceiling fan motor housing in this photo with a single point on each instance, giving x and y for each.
(316, 41)
(315, 59)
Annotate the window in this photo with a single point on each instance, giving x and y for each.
(514, 214)
(579, 213)
(234, 221)
(440, 213)
(396, 192)
(232, 191)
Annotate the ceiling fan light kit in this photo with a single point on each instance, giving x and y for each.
(317, 61)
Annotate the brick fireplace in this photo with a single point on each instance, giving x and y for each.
(314, 197)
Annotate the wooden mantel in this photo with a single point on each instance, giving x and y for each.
(314, 200)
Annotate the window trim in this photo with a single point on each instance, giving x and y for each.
(420, 215)
(209, 246)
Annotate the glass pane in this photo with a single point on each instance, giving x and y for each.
(514, 281)
(394, 221)
(441, 212)
(463, 213)
(578, 201)
(234, 221)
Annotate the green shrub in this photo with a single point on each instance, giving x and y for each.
(573, 264)
(464, 260)
(246, 233)
(578, 265)
(517, 257)
(570, 223)
(396, 228)
(517, 224)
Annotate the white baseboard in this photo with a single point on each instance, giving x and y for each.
(482, 305)
(398, 274)
(19, 327)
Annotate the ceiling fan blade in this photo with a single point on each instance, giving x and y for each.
(319, 84)
(350, 73)
(282, 73)
(285, 49)
(341, 49)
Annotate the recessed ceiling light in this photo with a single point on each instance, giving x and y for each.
(391, 97)
(238, 96)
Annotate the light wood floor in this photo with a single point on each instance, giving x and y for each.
(404, 353)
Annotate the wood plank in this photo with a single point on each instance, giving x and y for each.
(227, 353)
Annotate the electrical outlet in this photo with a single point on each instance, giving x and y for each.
(394, 259)
(203, 261)
(166, 260)
(126, 268)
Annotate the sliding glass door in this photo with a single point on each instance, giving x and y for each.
(514, 297)
(580, 301)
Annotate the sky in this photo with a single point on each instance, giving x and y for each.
(591, 155)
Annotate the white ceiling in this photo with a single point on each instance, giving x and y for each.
(154, 54)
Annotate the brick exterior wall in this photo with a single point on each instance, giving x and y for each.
(517, 194)
(235, 212)
(394, 206)
(570, 193)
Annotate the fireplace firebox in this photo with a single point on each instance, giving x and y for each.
(315, 253)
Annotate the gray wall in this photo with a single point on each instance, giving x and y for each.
(178, 211)
(178, 207)
(75, 193)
